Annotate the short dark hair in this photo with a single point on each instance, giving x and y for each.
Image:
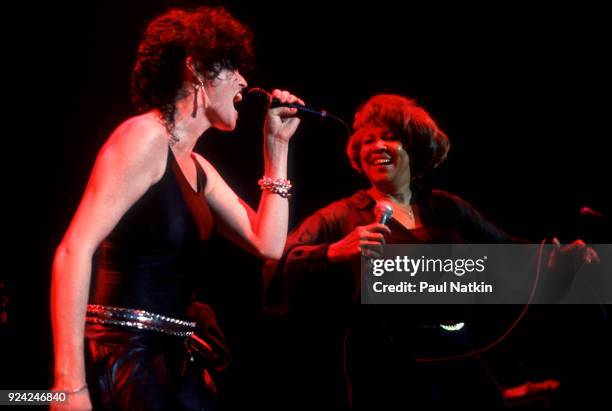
(426, 145)
(211, 36)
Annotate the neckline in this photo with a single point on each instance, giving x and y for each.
(198, 188)
(379, 195)
(374, 200)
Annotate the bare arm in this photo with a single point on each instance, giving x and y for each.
(263, 232)
(128, 164)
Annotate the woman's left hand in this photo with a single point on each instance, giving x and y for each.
(281, 122)
(571, 256)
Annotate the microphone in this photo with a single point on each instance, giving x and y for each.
(383, 211)
(588, 211)
(273, 102)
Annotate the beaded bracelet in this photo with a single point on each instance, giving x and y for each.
(280, 186)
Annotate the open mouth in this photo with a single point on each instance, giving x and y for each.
(238, 97)
(381, 161)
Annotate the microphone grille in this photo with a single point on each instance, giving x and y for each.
(257, 91)
(383, 211)
(258, 96)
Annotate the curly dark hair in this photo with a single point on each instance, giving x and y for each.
(211, 36)
(426, 145)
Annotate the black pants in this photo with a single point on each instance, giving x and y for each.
(141, 370)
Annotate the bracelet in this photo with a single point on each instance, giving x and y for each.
(75, 391)
(280, 186)
(84, 387)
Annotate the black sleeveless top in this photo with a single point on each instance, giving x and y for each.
(150, 259)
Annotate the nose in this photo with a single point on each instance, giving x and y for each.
(380, 144)
(241, 80)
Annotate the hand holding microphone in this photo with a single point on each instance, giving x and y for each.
(281, 121)
(363, 240)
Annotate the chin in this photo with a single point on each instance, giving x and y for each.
(379, 178)
(225, 121)
(233, 122)
(226, 126)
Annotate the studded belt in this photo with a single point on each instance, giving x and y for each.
(140, 319)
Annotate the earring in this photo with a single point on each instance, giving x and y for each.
(196, 89)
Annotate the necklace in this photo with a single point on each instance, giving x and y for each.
(406, 208)
(173, 139)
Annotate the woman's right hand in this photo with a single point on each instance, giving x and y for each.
(282, 122)
(79, 401)
(363, 240)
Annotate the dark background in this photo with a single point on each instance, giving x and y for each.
(520, 90)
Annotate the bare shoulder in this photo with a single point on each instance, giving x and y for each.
(139, 145)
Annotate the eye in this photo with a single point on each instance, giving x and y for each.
(369, 139)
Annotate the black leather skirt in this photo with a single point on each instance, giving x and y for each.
(131, 369)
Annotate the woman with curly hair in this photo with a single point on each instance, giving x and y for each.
(149, 204)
